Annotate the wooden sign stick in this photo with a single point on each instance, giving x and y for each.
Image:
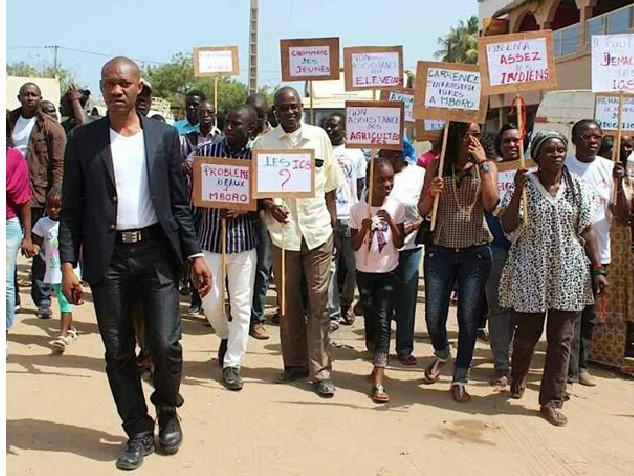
(441, 165)
(216, 98)
(520, 126)
(283, 293)
(312, 106)
(223, 270)
(616, 151)
(370, 192)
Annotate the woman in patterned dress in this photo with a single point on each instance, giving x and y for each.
(548, 269)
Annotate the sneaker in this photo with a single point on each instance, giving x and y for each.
(44, 312)
(334, 325)
(232, 379)
(258, 331)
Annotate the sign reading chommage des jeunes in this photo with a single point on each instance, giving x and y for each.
(310, 59)
(613, 63)
(223, 183)
(606, 111)
(374, 125)
(517, 62)
(216, 61)
(449, 91)
(284, 173)
(373, 67)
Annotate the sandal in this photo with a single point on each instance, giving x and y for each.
(61, 343)
(459, 392)
(71, 334)
(378, 394)
(433, 371)
(553, 416)
(518, 387)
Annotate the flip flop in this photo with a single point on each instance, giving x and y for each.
(378, 394)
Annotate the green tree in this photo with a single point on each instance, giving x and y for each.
(66, 77)
(460, 45)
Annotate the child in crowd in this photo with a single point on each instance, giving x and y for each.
(376, 260)
(44, 239)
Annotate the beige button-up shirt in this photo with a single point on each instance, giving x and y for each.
(308, 218)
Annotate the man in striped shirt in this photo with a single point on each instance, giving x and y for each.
(241, 257)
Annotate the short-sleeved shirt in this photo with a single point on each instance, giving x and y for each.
(353, 164)
(184, 127)
(48, 229)
(18, 190)
(380, 256)
(308, 218)
(408, 185)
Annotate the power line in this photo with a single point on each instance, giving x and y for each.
(77, 50)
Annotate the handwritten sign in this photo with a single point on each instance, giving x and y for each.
(449, 91)
(406, 96)
(613, 63)
(373, 67)
(284, 173)
(518, 62)
(216, 61)
(606, 112)
(374, 125)
(310, 59)
(506, 175)
(429, 129)
(223, 183)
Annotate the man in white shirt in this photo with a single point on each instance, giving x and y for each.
(304, 226)
(125, 203)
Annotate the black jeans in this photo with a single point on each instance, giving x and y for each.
(377, 299)
(40, 291)
(582, 340)
(145, 269)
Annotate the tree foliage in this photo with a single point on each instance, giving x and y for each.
(66, 77)
(460, 45)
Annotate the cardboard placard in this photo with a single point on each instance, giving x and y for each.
(613, 63)
(223, 183)
(449, 91)
(216, 61)
(517, 62)
(606, 111)
(429, 129)
(373, 67)
(283, 173)
(506, 174)
(374, 125)
(406, 96)
(310, 59)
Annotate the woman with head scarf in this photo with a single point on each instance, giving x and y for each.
(551, 266)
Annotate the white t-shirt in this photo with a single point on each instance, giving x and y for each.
(134, 203)
(598, 174)
(48, 229)
(21, 134)
(352, 163)
(383, 255)
(408, 185)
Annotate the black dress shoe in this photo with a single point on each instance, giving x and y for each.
(138, 446)
(231, 378)
(170, 433)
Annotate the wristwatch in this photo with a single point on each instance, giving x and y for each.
(484, 166)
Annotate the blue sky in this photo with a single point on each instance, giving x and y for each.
(154, 30)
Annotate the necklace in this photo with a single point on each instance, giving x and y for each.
(455, 188)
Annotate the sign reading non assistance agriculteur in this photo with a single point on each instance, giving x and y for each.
(216, 61)
(449, 91)
(223, 183)
(406, 96)
(310, 59)
(373, 67)
(606, 112)
(518, 62)
(374, 124)
(284, 173)
(613, 63)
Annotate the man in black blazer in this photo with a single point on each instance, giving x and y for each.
(125, 202)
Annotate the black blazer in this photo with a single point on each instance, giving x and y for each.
(89, 203)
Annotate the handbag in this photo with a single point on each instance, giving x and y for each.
(424, 235)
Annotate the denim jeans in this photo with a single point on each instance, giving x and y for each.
(262, 273)
(377, 296)
(470, 266)
(40, 291)
(337, 300)
(502, 322)
(405, 300)
(14, 240)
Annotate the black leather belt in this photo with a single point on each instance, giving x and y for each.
(129, 237)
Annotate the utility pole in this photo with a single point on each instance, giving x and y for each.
(55, 47)
(253, 47)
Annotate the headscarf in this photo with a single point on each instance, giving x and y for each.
(541, 137)
(409, 153)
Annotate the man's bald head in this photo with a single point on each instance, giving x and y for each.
(285, 92)
(122, 61)
(288, 108)
(33, 86)
(260, 104)
(120, 85)
(30, 97)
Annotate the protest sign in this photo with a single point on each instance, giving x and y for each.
(223, 183)
(373, 67)
(428, 129)
(613, 63)
(406, 96)
(606, 111)
(216, 61)
(374, 124)
(449, 91)
(506, 174)
(284, 173)
(310, 59)
(518, 62)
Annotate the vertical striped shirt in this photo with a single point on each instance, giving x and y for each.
(241, 235)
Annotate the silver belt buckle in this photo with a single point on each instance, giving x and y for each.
(130, 237)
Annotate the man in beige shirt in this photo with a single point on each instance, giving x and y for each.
(306, 225)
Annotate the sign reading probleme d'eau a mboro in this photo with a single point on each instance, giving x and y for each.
(223, 183)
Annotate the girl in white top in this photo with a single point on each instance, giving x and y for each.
(376, 242)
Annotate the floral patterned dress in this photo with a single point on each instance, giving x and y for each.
(547, 267)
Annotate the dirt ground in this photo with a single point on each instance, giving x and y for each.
(61, 418)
